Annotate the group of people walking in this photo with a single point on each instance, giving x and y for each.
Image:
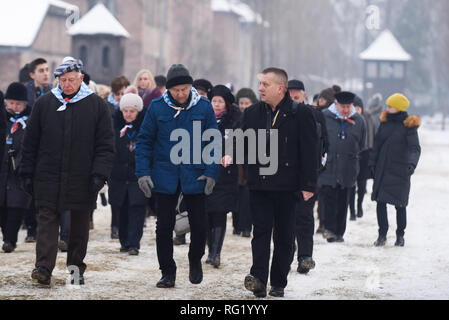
(63, 145)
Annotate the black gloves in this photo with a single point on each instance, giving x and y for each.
(27, 185)
(97, 183)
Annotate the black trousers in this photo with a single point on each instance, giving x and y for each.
(382, 219)
(131, 220)
(242, 216)
(30, 219)
(65, 226)
(321, 207)
(166, 218)
(336, 208)
(11, 220)
(361, 191)
(47, 238)
(272, 213)
(305, 226)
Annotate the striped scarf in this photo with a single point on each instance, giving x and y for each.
(83, 93)
(193, 102)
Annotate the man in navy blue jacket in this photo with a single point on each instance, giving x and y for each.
(180, 109)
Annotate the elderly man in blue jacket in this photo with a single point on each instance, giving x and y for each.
(180, 112)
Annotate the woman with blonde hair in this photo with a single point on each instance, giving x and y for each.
(144, 82)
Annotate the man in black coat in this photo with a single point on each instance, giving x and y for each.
(346, 131)
(272, 196)
(68, 154)
(2, 125)
(305, 221)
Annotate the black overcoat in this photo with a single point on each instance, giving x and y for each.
(396, 148)
(63, 150)
(123, 181)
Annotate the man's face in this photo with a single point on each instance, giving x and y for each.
(181, 93)
(71, 82)
(41, 75)
(298, 95)
(344, 109)
(270, 89)
(119, 95)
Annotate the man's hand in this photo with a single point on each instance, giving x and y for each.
(210, 184)
(226, 161)
(307, 195)
(146, 184)
(27, 185)
(96, 184)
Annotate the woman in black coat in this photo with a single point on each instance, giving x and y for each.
(393, 161)
(127, 201)
(13, 200)
(224, 198)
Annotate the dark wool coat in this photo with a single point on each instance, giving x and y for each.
(342, 166)
(2, 126)
(297, 147)
(396, 148)
(11, 193)
(62, 151)
(123, 181)
(225, 195)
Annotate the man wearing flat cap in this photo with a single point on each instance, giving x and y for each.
(181, 108)
(346, 131)
(68, 154)
(297, 91)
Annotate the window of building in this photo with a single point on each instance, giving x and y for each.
(386, 70)
(83, 54)
(399, 71)
(106, 57)
(371, 70)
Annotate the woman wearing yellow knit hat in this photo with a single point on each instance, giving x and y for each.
(393, 161)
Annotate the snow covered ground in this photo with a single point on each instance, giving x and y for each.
(352, 270)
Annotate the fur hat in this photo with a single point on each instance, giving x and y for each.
(246, 93)
(399, 102)
(224, 92)
(177, 75)
(204, 85)
(16, 91)
(345, 97)
(131, 100)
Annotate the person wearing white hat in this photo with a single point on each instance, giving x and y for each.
(128, 202)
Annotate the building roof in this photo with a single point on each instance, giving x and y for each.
(99, 20)
(242, 10)
(385, 48)
(21, 20)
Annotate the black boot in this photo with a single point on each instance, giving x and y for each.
(400, 242)
(381, 241)
(8, 247)
(210, 257)
(196, 272)
(42, 275)
(218, 235)
(31, 235)
(167, 281)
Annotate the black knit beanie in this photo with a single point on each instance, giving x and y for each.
(177, 75)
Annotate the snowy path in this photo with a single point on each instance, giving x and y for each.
(352, 270)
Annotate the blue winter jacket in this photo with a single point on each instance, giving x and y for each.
(153, 147)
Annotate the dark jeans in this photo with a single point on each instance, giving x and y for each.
(131, 220)
(166, 218)
(47, 238)
(272, 213)
(361, 191)
(382, 219)
(242, 216)
(336, 208)
(305, 226)
(11, 220)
